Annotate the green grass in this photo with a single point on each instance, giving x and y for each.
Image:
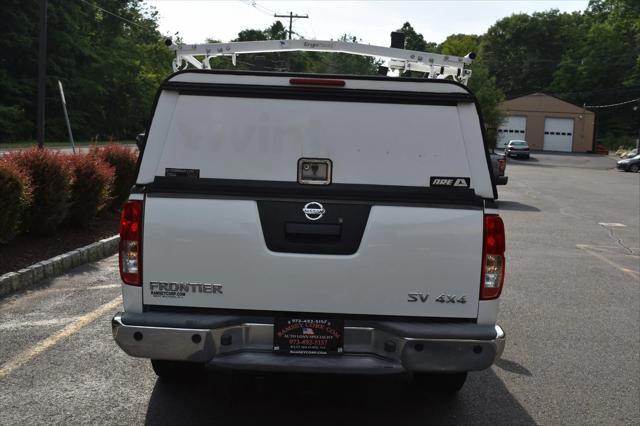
(57, 144)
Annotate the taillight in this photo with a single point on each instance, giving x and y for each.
(131, 243)
(493, 261)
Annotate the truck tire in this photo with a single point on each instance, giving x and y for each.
(447, 383)
(177, 371)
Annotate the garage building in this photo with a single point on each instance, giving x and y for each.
(547, 124)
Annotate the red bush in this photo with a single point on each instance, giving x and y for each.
(50, 181)
(91, 184)
(123, 159)
(15, 198)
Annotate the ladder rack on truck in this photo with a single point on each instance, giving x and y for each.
(435, 66)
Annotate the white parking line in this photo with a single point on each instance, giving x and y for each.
(14, 325)
(23, 298)
(630, 272)
(25, 356)
(100, 287)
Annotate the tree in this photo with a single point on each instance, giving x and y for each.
(482, 83)
(276, 31)
(459, 44)
(604, 67)
(17, 69)
(415, 40)
(251, 35)
(110, 68)
(344, 63)
(489, 96)
(588, 58)
(522, 51)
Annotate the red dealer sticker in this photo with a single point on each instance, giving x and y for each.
(297, 336)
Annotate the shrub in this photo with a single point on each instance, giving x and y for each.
(49, 179)
(123, 160)
(15, 197)
(91, 184)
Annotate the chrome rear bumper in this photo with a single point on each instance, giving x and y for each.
(372, 347)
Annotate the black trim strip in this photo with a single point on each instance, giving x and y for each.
(310, 93)
(257, 189)
(267, 316)
(491, 204)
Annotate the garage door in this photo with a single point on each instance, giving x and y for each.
(558, 134)
(513, 128)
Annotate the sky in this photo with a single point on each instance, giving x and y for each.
(370, 21)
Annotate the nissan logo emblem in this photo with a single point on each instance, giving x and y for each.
(313, 210)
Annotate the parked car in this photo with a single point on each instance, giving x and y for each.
(630, 164)
(498, 166)
(517, 148)
(303, 223)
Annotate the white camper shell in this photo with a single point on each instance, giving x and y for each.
(271, 202)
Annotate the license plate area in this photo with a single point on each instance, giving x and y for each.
(308, 336)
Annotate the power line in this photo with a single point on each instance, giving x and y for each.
(263, 8)
(613, 105)
(259, 7)
(632, 89)
(114, 14)
(302, 36)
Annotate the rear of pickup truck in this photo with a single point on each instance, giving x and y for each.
(314, 224)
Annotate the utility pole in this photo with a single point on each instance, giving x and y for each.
(42, 73)
(291, 16)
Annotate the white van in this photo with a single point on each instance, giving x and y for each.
(329, 224)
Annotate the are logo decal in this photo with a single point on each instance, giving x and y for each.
(460, 182)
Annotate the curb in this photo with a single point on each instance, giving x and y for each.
(31, 276)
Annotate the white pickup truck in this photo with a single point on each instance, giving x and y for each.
(328, 224)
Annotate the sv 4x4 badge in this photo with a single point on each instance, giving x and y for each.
(443, 298)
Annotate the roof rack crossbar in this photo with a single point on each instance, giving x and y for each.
(397, 60)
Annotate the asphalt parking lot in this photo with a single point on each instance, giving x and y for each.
(571, 309)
